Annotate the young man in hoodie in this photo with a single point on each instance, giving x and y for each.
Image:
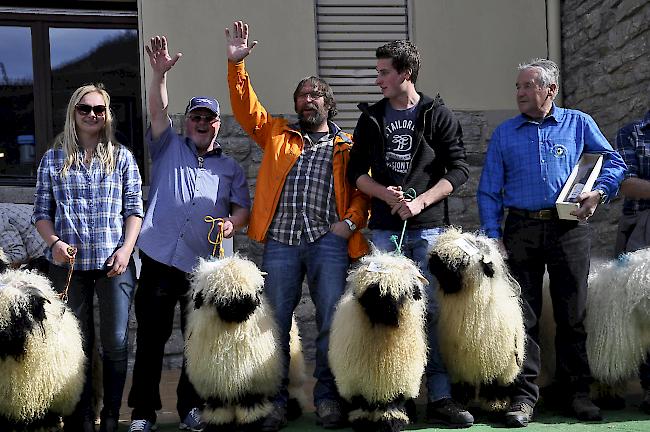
(408, 157)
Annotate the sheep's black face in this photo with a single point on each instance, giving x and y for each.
(381, 309)
(23, 320)
(237, 310)
(449, 278)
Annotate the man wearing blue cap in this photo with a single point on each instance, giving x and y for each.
(190, 179)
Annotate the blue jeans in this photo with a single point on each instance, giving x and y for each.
(325, 263)
(114, 298)
(415, 245)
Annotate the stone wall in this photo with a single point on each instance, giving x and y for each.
(606, 73)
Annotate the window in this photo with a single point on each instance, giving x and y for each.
(348, 35)
(45, 54)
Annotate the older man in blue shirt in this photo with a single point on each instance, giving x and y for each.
(191, 179)
(529, 159)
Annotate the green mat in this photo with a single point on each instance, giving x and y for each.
(629, 419)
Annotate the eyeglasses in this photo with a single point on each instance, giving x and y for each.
(84, 109)
(208, 118)
(312, 94)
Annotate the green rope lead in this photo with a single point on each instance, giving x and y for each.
(410, 194)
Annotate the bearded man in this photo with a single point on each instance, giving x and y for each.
(304, 210)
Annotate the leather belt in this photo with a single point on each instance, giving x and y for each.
(543, 214)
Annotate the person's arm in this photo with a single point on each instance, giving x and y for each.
(119, 261)
(633, 187)
(246, 107)
(359, 166)
(238, 219)
(449, 136)
(132, 211)
(11, 242)
(161, 62)
(611, 174)
(44, 211)
(636, 188)
(489, 195)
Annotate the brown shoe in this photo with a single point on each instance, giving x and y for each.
(584, 409)
(519, 414)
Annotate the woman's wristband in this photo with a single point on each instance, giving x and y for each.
(55, 242)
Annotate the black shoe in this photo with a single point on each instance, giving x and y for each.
(519, 414)
(584, 409)
(645, 403)
(276, 420)
(108, 424)
(448, 412)
(329, 414)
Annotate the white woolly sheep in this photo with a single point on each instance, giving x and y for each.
(378, 343)
(232, 349)
(618, 317)
(41, 356)
(481, 328)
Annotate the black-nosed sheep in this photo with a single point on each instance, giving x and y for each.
(618, 317)
(377, 341)
(41, 356)
(480, 327)
(233, 355)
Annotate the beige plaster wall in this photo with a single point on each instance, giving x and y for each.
(286, 51)
(470, 48)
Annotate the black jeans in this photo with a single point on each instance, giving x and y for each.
(160, 288)
(563, 248)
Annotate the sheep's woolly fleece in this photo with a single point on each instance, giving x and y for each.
(618, 317)
(50, 375)
(231, 360)
(480, 327)
(379, 362)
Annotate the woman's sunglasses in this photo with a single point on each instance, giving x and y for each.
(86, 109)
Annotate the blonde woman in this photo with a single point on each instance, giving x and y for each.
(88, 208)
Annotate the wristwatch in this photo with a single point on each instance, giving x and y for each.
(351, 224)
(603, 196)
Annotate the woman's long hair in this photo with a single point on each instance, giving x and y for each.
(68, 140)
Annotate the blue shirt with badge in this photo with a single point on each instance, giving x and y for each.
(528, 163)
(184, 189)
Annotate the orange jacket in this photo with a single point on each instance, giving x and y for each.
(281, 146)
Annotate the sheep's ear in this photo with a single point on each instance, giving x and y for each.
(37, 302)
(198, 300)
(488, 268)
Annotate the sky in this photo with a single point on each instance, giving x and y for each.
(66, 44)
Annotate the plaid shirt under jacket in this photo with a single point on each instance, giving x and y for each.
(307, 204)
(88, 206)
(633, 144)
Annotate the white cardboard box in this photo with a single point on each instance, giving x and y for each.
(587, 169)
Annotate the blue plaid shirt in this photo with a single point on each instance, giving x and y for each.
(528, 163)
(88, 206)
(633, 144)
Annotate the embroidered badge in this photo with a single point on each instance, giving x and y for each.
(559, 151)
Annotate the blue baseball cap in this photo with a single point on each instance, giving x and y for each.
(203, 102)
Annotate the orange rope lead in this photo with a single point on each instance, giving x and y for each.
(218, 241)
(72, 251)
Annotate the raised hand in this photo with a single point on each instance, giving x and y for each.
(159, 57)
(237, 42)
